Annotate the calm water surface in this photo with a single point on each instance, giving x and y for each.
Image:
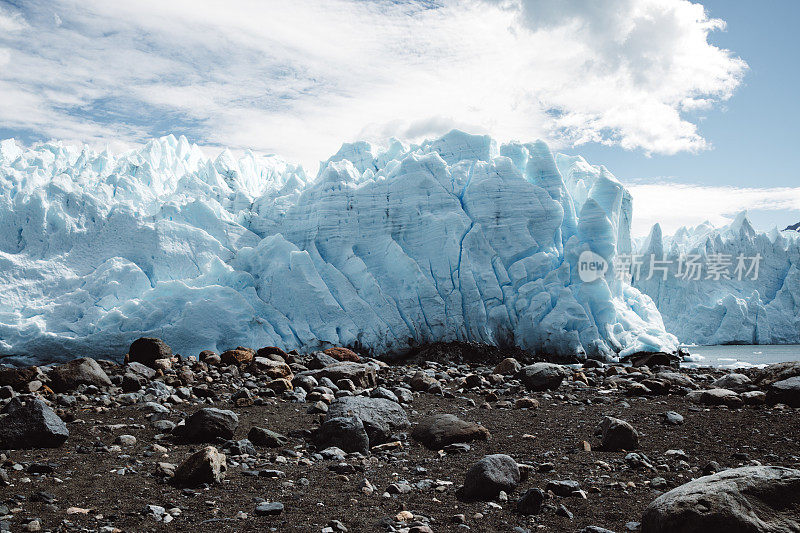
(741, 356)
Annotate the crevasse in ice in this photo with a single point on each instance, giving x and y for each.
(453, 239)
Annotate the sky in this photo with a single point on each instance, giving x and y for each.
(692, 106)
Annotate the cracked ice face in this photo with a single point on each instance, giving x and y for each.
(454, 239)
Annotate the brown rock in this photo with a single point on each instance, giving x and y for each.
(18, 378)
(280, 385)
(343, 354)
(147, 349)
(272, 369)
(272, 352)
(437, 431)
(237, 356)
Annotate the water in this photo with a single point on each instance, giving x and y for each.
(741, 356)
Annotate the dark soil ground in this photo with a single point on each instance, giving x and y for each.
(313, 495)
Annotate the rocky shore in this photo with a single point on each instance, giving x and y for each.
(333, 442)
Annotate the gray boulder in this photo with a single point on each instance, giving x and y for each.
(785, 391)
(265, 437)
(437, 431)
(30, 425)
(321, 360)
(542, 376)
(208, 465)
(381, 417)
(752, 499)
(83, 371)
(208, 424)
(776, 372)
(616, 434)
(344, 432)
(733, 381)
(486, 478)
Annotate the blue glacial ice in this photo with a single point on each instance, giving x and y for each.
(762, 307)
(387, 247)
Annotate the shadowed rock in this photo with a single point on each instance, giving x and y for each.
(753, 499)
(437, 431)
(30, 425)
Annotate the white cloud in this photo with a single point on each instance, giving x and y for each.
(674, 205)
(298, 78)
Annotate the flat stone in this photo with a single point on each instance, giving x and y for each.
(269, 508)
(437, 431)
(265, 437)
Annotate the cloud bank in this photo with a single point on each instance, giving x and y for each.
(674, 205)
(298, 78)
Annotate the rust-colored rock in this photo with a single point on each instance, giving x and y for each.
(343, 354)
(272, 352)
(238, 356)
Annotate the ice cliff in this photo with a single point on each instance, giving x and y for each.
(453, 239)
(762, 309)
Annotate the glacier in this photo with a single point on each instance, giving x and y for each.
(762, 309)
(454, 239)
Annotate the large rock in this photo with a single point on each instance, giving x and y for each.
(30, 425)
(785, 391)
(272, 369)
(343, 354)
(734, 381)
(381, 417)
(776, 372)
(148, 350)
(272, 352)
(542, 376)
(486, 478)
(321, 360)
(752, 499)
(208, 465)
(437, 431)
(265, 437)
(18, 378)
(507, 367)
(715, 397)
(676, 380)
(208, 424)
(238, 356)
(361, 374)
(617, 434)
(83, 371)
(345, 432)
